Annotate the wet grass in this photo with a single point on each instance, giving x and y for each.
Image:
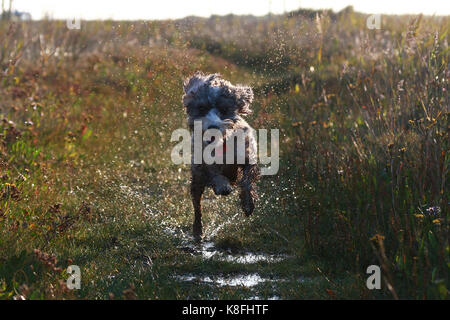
(86, 176)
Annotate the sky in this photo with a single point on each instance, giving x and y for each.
(173, 9)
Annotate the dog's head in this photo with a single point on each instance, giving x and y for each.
(215, 101)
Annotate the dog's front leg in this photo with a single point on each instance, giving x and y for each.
(197, 189)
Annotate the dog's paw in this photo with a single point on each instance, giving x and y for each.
(198, 237)
(223, 190)
(248, 208)
(197, 231)
(247, 203)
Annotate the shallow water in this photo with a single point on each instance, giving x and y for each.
(208, 250)
(261, 298)
(248, 280)
(250, 257)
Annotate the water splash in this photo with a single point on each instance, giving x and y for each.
(247, 280)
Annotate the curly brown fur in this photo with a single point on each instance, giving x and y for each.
(219, 104)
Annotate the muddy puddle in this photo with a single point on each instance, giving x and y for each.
(208, 250)
(261, 298)
(249, 280)
(244, 280)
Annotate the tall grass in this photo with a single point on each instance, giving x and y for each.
(363, 116)
(370, 145)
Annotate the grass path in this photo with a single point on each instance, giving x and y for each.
(135, 240)
(239, 258)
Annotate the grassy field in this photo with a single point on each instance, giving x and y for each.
(87, 179)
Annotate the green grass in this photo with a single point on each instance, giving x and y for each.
(87, 177)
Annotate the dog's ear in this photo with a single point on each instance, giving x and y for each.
(244, 96)
(191, 86)
(237, 97)
(193, 80)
